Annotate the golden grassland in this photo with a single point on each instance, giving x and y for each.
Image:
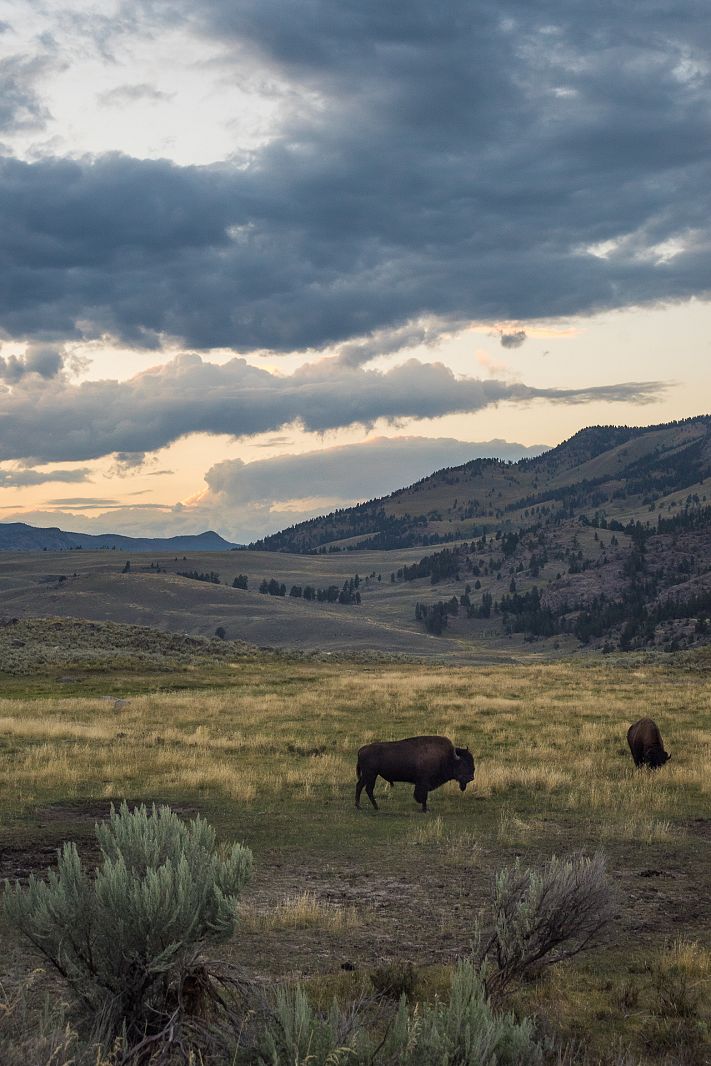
(271, 760)
(554, 734)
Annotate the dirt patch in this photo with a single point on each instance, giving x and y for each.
(418, 911)
(57, 823)
(17, 862)
(91, 811)
(421, 906)
(700, 827)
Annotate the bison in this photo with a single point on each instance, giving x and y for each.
(646, 744)
(425, 762)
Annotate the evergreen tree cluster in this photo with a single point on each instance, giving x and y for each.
(210, 576)
(437, 567)
(272, 587)
(434, 616)
(524, 613)
(347, 594)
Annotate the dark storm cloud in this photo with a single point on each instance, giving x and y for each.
(188, 395)
(456, 162)
(351, 471)
(513, 340)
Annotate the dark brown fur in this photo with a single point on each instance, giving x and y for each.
(646, 744)
(425, 762)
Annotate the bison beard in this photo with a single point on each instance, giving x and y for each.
(425, 762)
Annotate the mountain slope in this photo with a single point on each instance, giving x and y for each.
(617, 472)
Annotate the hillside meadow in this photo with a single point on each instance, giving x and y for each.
(269, 759)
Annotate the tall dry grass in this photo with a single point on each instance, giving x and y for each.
(545, 737)
(303, 911)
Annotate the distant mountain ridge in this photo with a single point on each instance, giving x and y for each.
(20, 537)
(603, 542)
(619, 471)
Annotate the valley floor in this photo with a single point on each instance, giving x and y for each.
(269, 759)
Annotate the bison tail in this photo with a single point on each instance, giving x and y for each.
(358, 769)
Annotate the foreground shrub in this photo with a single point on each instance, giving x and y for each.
(128, 939)
(462, 1031)
(295, 1033)
(544, 916)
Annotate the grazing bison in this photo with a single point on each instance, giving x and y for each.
(646, 744)
(426, 762)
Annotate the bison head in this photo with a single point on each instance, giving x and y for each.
(658, 758)
(463, 767)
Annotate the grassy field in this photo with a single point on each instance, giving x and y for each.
(268, 756)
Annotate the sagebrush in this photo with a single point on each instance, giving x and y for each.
(462, 1030)
(128, 939)
(543, 916)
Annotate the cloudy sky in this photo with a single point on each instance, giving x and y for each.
(261, 258)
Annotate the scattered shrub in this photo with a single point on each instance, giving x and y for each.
(128, 940)
(544, 916)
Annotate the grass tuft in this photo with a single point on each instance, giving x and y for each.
(303, 911)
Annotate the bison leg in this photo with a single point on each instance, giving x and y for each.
(367, 782)
(369, 786)
(421, 796)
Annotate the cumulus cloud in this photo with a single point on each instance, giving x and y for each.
(189, 395)
(459, 163)
(513, 340)
(349, 472)
(41, 359)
